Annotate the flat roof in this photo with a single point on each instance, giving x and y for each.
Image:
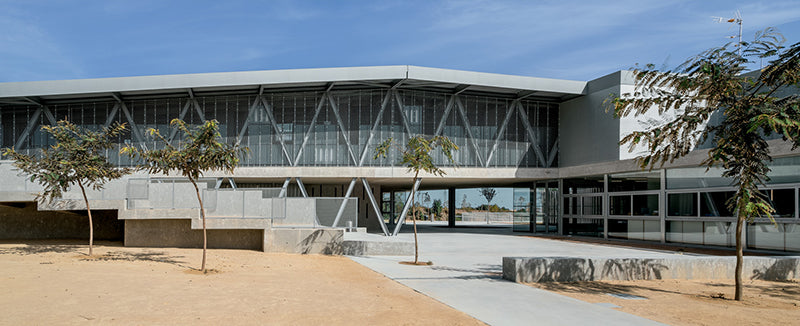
(404, 77)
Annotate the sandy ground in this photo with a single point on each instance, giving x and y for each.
(56, 283)
(694, 302)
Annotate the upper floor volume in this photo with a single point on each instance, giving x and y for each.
(312, 117)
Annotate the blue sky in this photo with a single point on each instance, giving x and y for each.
(582, 40)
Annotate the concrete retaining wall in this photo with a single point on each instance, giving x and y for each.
(304, 240)
(178, 233)
(574, 269)
(24, 221)
(365, 244)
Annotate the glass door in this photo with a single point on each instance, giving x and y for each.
(522, 210)
(545, 207)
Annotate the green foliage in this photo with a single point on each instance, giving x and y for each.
(416, 154)
(711, 81)
(200, 150)
(78, 157)
(437, 207)
(715, 81)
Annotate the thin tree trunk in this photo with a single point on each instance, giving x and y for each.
(203, 216)
(739, 256)
(414, 220)
(89, 212)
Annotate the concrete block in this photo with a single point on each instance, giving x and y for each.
(304, 240)
(574, 269)
(365, 244)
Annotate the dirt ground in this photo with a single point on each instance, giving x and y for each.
(693, 302)
(56, 283)
(689, 302)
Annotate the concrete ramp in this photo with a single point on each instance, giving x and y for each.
(574, 269)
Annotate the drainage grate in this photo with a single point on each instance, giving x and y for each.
(626, 296)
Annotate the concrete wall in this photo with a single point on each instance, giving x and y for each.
(587, 133)
(24, 221)
(178, 233)
(304, 241)
(575, 269)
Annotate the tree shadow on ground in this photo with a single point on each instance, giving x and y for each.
(41, 249)
(600, 288)
(481, 271)
(148, 256)
(774, 289)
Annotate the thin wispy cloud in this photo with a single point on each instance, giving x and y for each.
(558, 39)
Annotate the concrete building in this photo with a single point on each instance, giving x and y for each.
(312, 135)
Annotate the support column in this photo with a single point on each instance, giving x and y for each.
(375, 206)
(451, 207)
(284, 188)
(606, 206)
(662, 206)
(344, 202)
(302, 187)
(408, 205)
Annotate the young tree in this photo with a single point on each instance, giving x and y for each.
(77, 158)
(416, 156)
(489, 194)
(199, 151)
(713, 82)
(436, 208)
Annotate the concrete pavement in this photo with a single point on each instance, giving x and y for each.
(467, 269)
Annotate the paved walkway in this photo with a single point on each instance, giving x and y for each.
(467, 270)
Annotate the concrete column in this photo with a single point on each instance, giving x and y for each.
(662, 206)
(606, 206)
(451, 207)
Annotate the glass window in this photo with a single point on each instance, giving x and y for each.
(620, 205)
(645, 205)
(784, 170)
(592, 205)
(783, 200)
(635, 181)
(682, 204)
(696, 178)
(584, 185)
(715, 203)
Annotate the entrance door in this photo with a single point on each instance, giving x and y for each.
(545, 207)
(522, 209)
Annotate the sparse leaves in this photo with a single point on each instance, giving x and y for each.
(76, 158)
(714, 82)
(200, 150)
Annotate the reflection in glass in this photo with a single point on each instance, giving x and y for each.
(682, 204)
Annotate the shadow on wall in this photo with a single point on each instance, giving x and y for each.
(780, 270)
(570, 269)
(322, 242)
(633, 269)
(558, 269)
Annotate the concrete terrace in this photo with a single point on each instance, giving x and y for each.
(467, 270)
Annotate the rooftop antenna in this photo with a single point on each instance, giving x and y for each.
(737, 19)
